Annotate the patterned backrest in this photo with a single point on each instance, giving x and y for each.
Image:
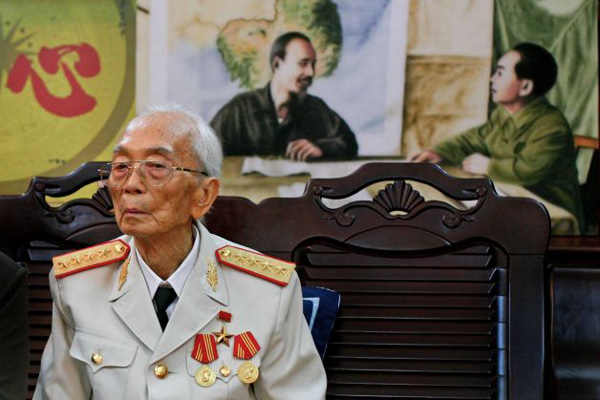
(436, 301)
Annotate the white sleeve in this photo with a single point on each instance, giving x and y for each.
(291, 368)
(61, 376)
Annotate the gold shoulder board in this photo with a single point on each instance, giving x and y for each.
(269, 268)
(92, 257)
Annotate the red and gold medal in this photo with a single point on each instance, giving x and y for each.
(245, 346)
(205, 348)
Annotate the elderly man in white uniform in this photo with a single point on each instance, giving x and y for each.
(170, 311)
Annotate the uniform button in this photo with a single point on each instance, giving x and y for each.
(97, 358)
(161, 371)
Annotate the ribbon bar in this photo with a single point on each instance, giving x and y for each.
(224, 316)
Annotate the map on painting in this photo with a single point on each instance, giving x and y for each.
(244, 44)
(219, 49)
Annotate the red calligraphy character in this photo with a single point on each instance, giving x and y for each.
(78, 101)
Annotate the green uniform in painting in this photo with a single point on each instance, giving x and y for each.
(532, 148)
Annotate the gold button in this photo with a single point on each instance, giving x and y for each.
(161, 371)
(97, 358)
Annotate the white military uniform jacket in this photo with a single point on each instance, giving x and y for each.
(103, 312)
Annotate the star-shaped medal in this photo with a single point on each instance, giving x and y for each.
(222, 335)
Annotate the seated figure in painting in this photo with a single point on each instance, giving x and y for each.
(527, 141)
(282, 119)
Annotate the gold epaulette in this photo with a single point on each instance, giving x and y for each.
(92, 257)
(269, 268)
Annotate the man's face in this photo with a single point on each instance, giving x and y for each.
(142, 210)
(505, 85)
(296, 71)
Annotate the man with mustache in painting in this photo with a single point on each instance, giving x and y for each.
(282, 119)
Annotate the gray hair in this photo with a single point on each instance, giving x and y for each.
(204, 141)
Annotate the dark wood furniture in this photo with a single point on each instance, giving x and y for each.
(437, 302)
(573, 318)
(32, 232)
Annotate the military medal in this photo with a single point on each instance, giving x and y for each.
(222, 335)
(248, 373)
(205, 376)
(245, 346)
(205, 348)
(225, 370)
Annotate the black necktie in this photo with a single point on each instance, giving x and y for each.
(163, 298)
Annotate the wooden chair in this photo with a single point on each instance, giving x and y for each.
(575, 325)
(31, 231)
(590, 192)
(437, 302)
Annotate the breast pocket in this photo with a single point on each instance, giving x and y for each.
(226, 377)
(107, 362)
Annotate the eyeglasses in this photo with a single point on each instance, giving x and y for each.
(154, 173)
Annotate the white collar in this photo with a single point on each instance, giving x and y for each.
(179, 277)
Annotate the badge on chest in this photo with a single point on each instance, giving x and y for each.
(208, 345)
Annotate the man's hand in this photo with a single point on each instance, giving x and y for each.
(426, 156)
(476, 164)
(302, 150)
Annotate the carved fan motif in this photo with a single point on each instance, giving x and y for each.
(102, 197)
(399, 196)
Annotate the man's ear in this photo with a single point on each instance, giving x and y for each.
(204, 196)
(526, 88)
(276, 62)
